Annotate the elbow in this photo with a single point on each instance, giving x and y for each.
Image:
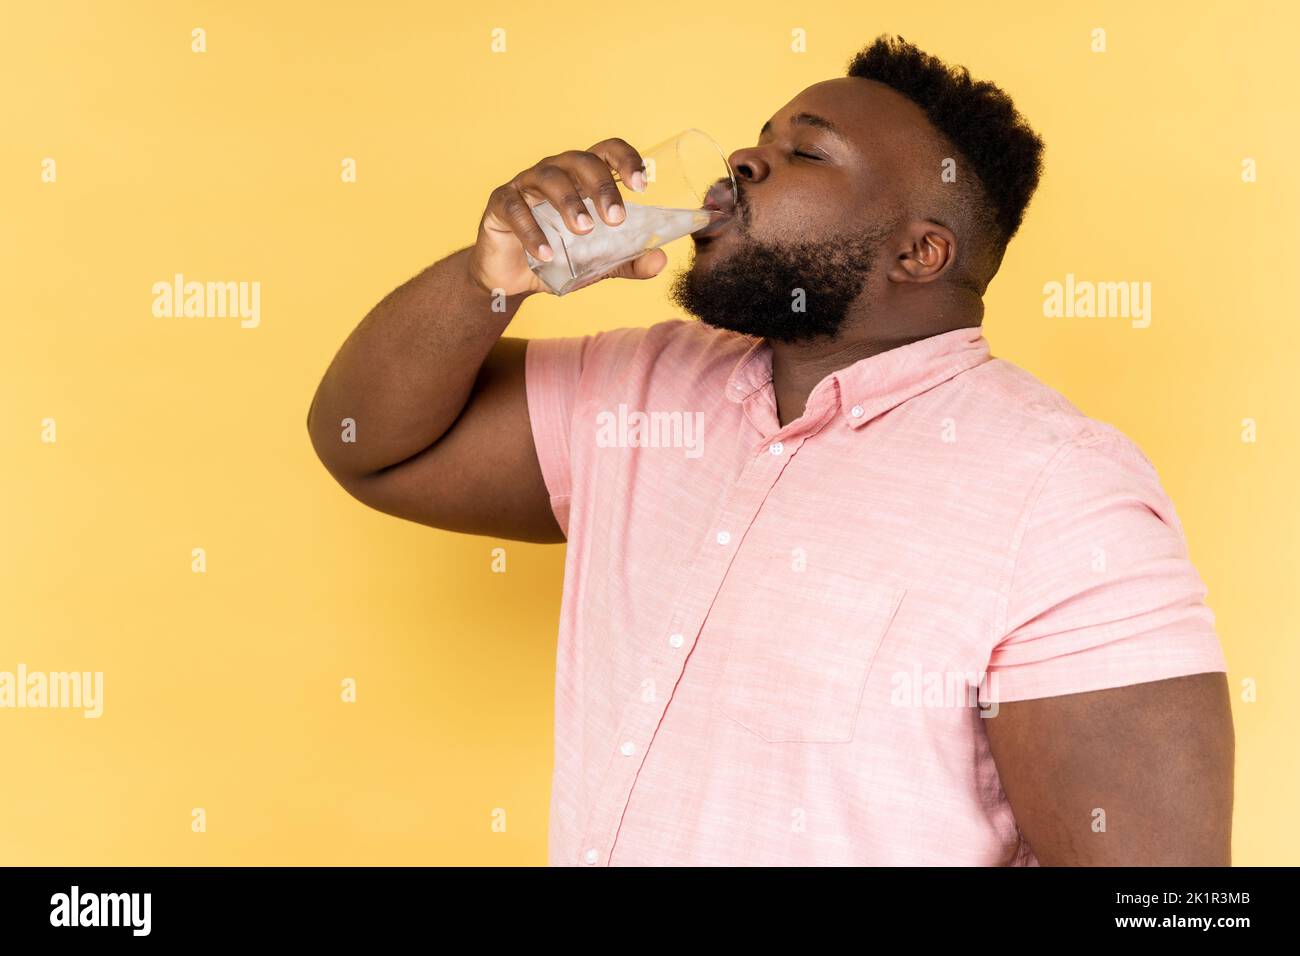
(326, 447)
(331, 446)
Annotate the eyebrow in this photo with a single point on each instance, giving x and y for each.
(811, 119)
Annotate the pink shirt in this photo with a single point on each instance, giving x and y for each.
(771, 638)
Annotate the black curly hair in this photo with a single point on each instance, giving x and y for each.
(980, 122)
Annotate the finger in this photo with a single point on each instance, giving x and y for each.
(509, 207)
(551, 180)
(592, 174)
(645, 266)
(619, 154)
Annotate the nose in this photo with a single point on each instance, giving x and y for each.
(748, 164)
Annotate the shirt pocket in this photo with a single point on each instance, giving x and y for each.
(799, 676)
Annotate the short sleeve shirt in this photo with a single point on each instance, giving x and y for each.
(778, 644)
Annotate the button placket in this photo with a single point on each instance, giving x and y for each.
(623, 766)
(708, 572)
(635, 736)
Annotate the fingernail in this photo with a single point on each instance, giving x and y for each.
(616, 212)
(638, 181)
(544, 253)
(584, 221)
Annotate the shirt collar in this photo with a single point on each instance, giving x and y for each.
(873, 385)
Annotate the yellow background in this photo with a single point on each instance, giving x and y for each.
(222, 690)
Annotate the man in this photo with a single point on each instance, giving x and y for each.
(775, 634)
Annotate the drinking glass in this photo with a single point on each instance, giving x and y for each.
(681, 174)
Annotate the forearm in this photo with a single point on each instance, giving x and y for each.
(405, 373)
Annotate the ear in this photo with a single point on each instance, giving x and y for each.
(926, 251)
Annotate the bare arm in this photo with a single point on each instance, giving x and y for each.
(423, 413)
(1156, 758)
(441, 430)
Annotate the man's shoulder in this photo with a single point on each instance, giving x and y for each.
(688, 334)
(1038, 420)
(680, 350)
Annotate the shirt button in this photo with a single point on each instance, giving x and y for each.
(776, 448)
(591, 856)
(676, 640)
(856, 411)
(724, 537)
(628, 748)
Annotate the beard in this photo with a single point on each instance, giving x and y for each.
(752, 290)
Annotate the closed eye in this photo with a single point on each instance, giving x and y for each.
(807, 155)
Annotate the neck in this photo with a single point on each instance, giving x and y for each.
(798, 367)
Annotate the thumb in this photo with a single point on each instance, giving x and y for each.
(645, 266)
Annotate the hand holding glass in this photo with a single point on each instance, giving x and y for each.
(682, 173)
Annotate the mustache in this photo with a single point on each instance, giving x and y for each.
(742, 205)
